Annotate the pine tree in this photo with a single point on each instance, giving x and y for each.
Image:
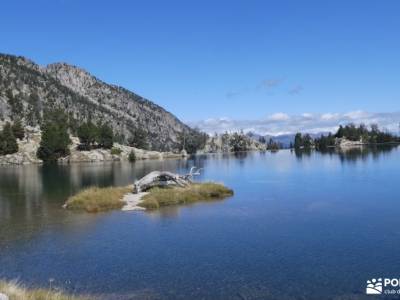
(105, 137)
(18, 129)
(8, 142)
(87, 134)
(55, 138)
(298, 141)
(139, 139)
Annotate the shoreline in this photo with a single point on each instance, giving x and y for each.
(104, 156)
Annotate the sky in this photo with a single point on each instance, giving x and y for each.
(222, 65)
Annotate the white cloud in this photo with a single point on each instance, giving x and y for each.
(307, 116)
(329, 116)
(356, 115)
(281, 123)
(279, 117)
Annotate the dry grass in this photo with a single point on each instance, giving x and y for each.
(159, 197)
(95, 199)
(16, 291)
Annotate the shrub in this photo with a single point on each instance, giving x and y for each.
(116, 151)
(132, 156)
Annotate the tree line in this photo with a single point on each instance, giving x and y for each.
(361, 133)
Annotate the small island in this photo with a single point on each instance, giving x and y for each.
(153, 191)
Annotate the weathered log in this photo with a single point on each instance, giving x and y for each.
(164, 179)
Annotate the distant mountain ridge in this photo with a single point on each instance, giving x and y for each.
(27, 89)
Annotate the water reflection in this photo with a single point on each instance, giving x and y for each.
(349, 155)
(297, 218)
(31, 196)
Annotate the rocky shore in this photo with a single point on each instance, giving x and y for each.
(345, 143)
(28, 146)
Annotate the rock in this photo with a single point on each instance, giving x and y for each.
(345, 143)
(27, 149)
(132, 201)
(184, 153)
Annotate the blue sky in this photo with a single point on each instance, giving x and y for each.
(241, 60)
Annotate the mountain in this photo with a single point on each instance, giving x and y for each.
(27, 90)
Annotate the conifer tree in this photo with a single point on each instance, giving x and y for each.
(55, 138)
(105, 137)
(18, 129)
(8, 142)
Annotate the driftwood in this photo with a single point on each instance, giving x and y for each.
(164, 179)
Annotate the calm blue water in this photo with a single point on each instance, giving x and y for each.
(305, 226)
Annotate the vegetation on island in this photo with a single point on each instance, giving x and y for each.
(302, 141)
(159, 197)
(238, 142)
(16, 291)
(273, 146)
(351, 132)
(192, 141)
(96, 199)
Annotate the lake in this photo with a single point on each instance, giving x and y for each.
(300, 226)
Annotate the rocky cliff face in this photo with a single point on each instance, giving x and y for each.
(27, 89)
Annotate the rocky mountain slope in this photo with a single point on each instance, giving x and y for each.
(27, 89)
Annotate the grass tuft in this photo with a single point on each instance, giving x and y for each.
(95, 199)
(158, 197)
(16, 291)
